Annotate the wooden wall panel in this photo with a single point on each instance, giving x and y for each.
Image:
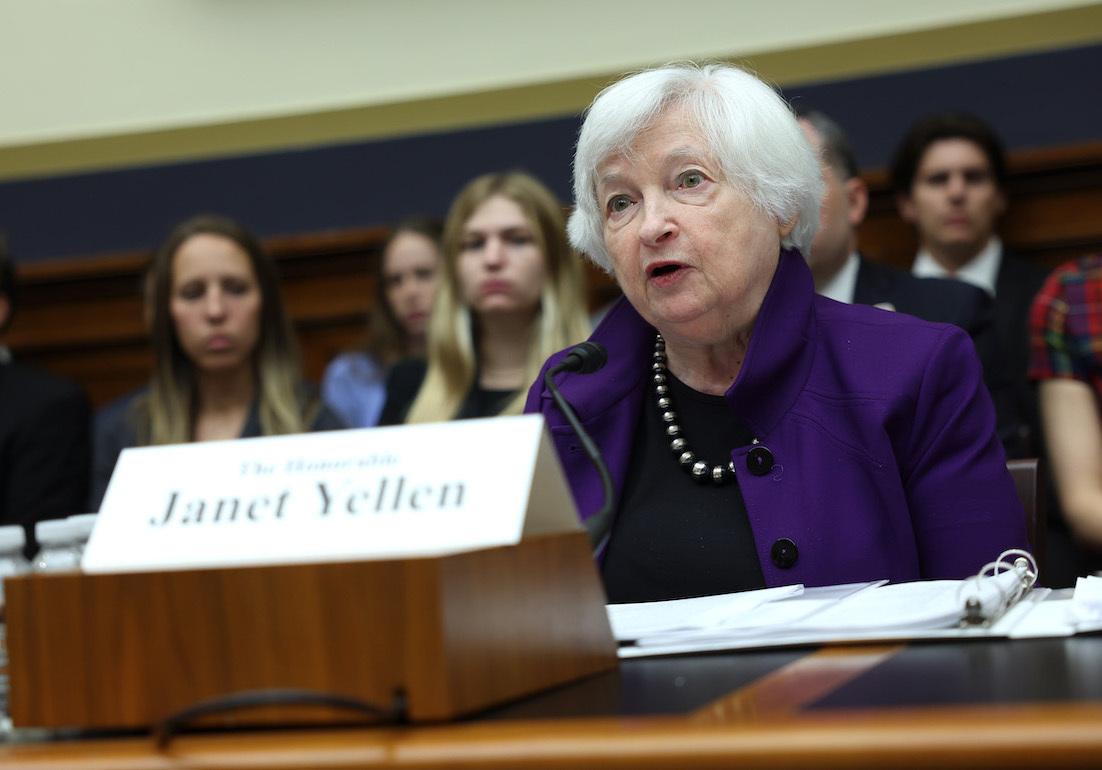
(82, 317)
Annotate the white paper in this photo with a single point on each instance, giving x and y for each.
(634, 621)
(1063, 614)
(861, 612)
(767, 619)
(1086, 602)
(923, 604)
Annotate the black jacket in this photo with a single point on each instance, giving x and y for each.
(44, 448)
(931, 299)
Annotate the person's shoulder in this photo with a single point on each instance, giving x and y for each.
(932, 299)
(1081, 270)
(831, 314)
(948, 301)
(877, 272)
(39, 385)
(1067, 284)
(960, 291)
(33, 396)
(117, 415)
(353, 364)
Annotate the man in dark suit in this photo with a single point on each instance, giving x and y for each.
(44, 422)
(842, 273)
(949, 174)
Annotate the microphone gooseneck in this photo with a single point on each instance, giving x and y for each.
(586, 358)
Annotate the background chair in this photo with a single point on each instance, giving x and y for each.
(1027, 482)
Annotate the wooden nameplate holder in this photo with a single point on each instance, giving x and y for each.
(453, 634)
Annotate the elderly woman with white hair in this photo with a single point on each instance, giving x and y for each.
(757, 434)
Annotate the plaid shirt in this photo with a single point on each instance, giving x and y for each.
(1065, 325)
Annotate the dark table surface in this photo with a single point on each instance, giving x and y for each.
(980, 703)
(973, 672)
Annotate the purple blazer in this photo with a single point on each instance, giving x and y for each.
(879, 427)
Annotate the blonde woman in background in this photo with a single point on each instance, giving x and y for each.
(225, 360)
(510, 293)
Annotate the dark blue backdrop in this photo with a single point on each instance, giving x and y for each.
(1035, 100)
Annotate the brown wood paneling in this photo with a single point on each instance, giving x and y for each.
(82, 317)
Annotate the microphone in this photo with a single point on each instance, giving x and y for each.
(586, 358)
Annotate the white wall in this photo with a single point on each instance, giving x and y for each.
(72, 69)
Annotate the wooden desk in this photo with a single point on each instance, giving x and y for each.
(993, 704)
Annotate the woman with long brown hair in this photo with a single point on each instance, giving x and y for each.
(225, 360)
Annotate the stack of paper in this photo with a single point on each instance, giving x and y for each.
(1062, 615)
(793, 615)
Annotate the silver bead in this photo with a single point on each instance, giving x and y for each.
(669, 416)
(687, 458)
(731, 467)
(700, 470)
(661, 389)
(663, 403)
(678, 444)
(659, 378)
(719, 474)
(673, 430)
(658, 366)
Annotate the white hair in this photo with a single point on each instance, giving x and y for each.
(749, 128)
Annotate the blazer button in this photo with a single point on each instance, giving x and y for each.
(784, 553)
(759, 460)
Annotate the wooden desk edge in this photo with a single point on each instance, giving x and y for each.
(1048, 735)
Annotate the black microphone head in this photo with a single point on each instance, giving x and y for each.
(586, 357)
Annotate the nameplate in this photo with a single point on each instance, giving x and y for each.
(376, 493)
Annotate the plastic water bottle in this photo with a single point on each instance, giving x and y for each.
(83, 523)
(57, 551)
(12, 561)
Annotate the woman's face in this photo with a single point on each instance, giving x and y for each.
(215, 303)
(694, 255)
(501, 268)
(410, 266)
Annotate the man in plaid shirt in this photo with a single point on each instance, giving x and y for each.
(1066, 359)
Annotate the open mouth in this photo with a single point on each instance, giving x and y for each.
(661, 269)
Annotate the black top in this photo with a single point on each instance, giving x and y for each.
(673, 537)
(404, 381)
